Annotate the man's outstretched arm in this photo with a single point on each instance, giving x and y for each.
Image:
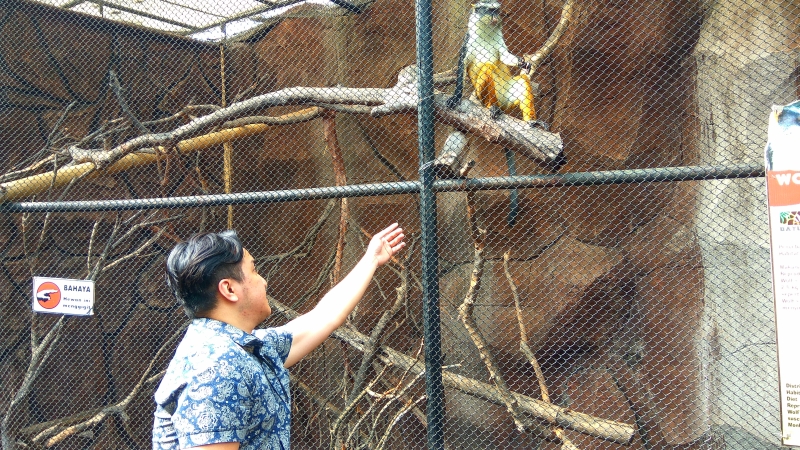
(313, 327)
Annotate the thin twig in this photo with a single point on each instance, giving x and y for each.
(94, 273)
(375, 338)
(39, 355)
(320, 280)
(320, 400)
(397, 417)
(227, 155)
(301, 250)
(91, 246)
(374, 342)
(126, 110)
(348, 411)
(145, 224)
(566, 444)
(137, 252)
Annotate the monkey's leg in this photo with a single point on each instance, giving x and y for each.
(521, 96)
(482, 76)
(525, 98)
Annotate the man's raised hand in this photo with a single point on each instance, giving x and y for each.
(386, 243)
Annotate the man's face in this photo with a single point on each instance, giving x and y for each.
(252, 289)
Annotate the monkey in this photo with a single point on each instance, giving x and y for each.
(487, 61)
(485, 58)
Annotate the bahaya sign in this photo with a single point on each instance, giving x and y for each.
(783, 197)
(63, 296)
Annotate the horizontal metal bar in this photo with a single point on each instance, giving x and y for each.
(664, 174)
(145, 14)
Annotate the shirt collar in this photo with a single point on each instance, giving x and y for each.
(245, 340)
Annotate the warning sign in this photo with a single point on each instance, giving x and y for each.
(63, 296)
(783, 198)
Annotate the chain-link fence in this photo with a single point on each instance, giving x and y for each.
(587, 253)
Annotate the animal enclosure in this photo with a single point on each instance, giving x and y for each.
(587, 260)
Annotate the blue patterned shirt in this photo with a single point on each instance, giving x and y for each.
(225, 385)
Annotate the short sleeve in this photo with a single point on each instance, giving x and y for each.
(215, 406)
(277, 342)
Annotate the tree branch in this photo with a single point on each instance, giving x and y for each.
(538, 58)
(340, 175)
(534, 143)
(57, 430)
(304, 247)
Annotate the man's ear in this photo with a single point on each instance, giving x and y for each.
(225, 289)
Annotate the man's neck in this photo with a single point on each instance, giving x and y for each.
(230, 319)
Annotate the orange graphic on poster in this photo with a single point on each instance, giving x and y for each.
(48, 295)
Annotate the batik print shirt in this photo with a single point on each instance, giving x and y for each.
(225, 385)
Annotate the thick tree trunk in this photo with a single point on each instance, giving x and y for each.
(745, 61)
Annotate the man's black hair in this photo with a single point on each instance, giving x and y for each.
(195, 267)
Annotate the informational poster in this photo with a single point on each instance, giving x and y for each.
(783, 197)
(63, 296)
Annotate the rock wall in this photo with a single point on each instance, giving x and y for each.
(746, 62)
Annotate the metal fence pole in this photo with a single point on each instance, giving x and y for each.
(434, 388)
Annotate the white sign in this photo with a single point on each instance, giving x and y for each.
(63, 296)
(783, 197)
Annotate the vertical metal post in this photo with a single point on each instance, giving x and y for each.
(434, 388)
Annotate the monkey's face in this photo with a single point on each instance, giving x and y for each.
(488, 14)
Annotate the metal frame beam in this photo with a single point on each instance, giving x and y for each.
(664, 174)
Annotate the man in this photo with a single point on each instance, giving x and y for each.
(227, 387)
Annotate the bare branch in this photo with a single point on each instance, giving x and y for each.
(39, 355)
(294, 95)
(534, 143)
(348, 411)
(91, 247)
(395, 419)
(145, 224)
(58, 430)
(376, 336)
(304, 247)
(538, 58)
(113, 81)
(372, 345)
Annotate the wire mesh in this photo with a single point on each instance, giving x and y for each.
(631, 311)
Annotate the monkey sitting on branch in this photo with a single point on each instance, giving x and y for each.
(489, 64)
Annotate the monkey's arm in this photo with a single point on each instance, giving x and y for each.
(455, 99)
(506, 57)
